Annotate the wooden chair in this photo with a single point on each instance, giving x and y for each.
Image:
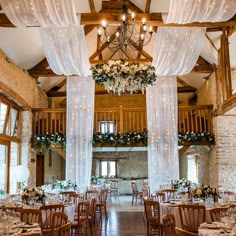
(65, 229)
(102, 203)
(47, 217)
(112, 188)
(182, 232)
(12, 210)
(76, 198)
(146, 191)
(152, 213)
(135, 193)
(191, 216)
(79, 227)
(215, 213)
(90, 194)
(169, 193)
(92, 214)
(58, 219)
(31, 216)
(169, 225)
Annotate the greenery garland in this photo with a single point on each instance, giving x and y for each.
(44, 141)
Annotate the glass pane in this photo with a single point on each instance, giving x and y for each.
(112, 168)
(104, 168)
(3, 168)
(3, 113)
(13, 121)
(13, 164)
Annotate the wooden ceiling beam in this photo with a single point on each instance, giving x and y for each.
(154, 19)
(147, 6)
(49, 73)
(101, 48)
(91, 6)
(187, 89)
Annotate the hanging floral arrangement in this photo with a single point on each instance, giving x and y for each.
(122, 77)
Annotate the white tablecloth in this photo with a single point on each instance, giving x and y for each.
(167, 208)
(212, 232)
(70, 211)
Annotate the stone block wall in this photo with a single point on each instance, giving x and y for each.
(19, 86)
(131, 165)
(226, 149)
(203, 153)
(54, 167)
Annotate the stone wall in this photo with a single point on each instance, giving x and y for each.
(17, 85)
(226, 149)
(54, 167)
(203, 156)
(131, 165)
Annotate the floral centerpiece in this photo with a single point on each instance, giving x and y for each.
(65, 184)
(182, 184)
(121, 77)
(203, 191)
(31, 194)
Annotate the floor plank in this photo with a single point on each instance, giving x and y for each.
(123, 219)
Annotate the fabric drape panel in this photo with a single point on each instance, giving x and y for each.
(44, 13)
(79, 130)
(182, 11)
(177, 49)
(66, 50)
(163, 159)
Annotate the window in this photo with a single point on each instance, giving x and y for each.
(193, 168)
(107, 126)
(107, 168)
(9, 144)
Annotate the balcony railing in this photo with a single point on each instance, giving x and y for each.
(190, 118)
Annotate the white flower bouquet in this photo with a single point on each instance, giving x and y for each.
(31, 194)
(123, 77)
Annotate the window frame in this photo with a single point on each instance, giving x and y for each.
(108, 168)
(7, 137)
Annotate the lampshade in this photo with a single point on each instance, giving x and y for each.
(21, 173)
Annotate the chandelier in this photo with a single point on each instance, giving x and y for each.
(127, 33)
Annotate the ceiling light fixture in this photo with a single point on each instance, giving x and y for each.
(127, 33)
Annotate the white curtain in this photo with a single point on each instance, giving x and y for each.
(45, 13)
(186, 11)
(79, 131)
(163, 159)
(66, 50)
(177, 49)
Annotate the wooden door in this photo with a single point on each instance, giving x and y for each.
(40, 170)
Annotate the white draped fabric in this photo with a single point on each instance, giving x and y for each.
(66, 50)
(163, 160)
(45, 13)
(79, 130)
(182, 11)
(177, 49)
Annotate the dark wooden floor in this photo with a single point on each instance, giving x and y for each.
(123, 219)
(122, 224)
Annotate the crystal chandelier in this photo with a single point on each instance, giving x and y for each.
(127, 34)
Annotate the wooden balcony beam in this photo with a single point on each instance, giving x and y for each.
(187, 89)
